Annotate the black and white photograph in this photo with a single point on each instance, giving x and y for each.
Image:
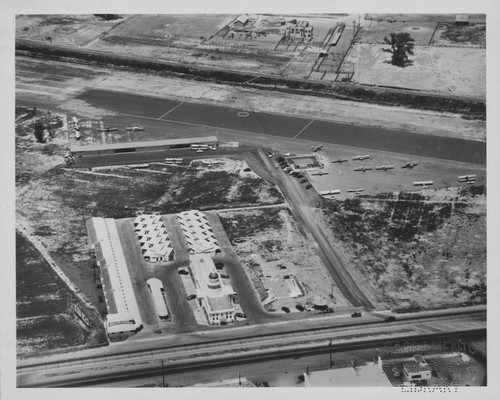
(250, 196)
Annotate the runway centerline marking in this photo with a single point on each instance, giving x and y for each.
(169, 111)
(303, 129)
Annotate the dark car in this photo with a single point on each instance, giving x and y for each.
(303, 180)
(299, 307)
(308, 186)
(219, 265)
(356, 315)
(247, 169)
(240, 315)
(183, 272)
(226, 276)
(285, 309)
(390, 318)
(191, 297)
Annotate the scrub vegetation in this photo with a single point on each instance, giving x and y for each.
(416, 251)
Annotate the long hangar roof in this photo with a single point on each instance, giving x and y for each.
(150, 143)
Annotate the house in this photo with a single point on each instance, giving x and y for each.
(240, 22)
(462, 20)
(417, 370)
(300, 29)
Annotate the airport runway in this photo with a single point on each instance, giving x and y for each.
(248, 122)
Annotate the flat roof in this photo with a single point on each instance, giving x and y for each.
(362, 376)
(149, 143)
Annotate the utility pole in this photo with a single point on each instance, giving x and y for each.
(163, 373)
(330, 351)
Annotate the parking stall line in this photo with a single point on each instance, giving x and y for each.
(172, 109)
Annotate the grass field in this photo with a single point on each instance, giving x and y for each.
(415, 250)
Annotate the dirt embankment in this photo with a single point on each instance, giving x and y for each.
(469, 108)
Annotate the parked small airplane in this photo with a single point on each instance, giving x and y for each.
(135, 128)
(423, 183)
(320, 173)
(355, 190)
(362, 157)
(363, 169)
(107, 129)
(317, 148)
(340, 160)
(467, 178)
(410, 164)
(385, 167)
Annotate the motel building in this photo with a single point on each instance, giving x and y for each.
(198, 233)
(417, 370)
(123, 318)
(213, 295)
(153, 238)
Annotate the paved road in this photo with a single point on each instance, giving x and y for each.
(288, 126)
(124, 360)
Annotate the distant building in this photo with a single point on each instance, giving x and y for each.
(153, 238)
(462, 19)
(198, 233)
(240, 22)
(300, 29)
(213, 295)
(371, 375)
(417, 370)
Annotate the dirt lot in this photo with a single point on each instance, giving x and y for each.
(45, 320)
(283, 265)
(375, 31)
(425, 250)
(450, 35)
(457, 71)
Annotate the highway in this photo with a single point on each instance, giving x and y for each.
(123, 361)
(285, 126)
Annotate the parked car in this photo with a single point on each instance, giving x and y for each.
(219, 265)
(356, 315)
(191, 297)
(183, 272)
(303, 180)
(239, 240)
(390, 318)
(226, 276)
(308, 186)
(299, 307)
(247, 169)
(240, 315)
(285, 309)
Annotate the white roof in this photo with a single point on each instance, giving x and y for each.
(363, 376)
(116, 266)
(156, 286)
(198, 232)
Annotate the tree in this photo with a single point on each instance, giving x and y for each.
(39, 131)
(402, 44)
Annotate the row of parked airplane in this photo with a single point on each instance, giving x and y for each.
(114, 129)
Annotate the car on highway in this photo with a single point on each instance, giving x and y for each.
(285, 309)
(191, 297)
(183, 272)
(356, 315)
(390, 318)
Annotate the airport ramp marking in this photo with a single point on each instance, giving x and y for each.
(172, 109)
(303, 129)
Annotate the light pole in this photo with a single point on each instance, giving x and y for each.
(330, 351)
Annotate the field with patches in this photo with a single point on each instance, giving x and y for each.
(416, 250)
(283, 265)
(44, 317)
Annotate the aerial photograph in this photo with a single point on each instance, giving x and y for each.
(250, 200)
